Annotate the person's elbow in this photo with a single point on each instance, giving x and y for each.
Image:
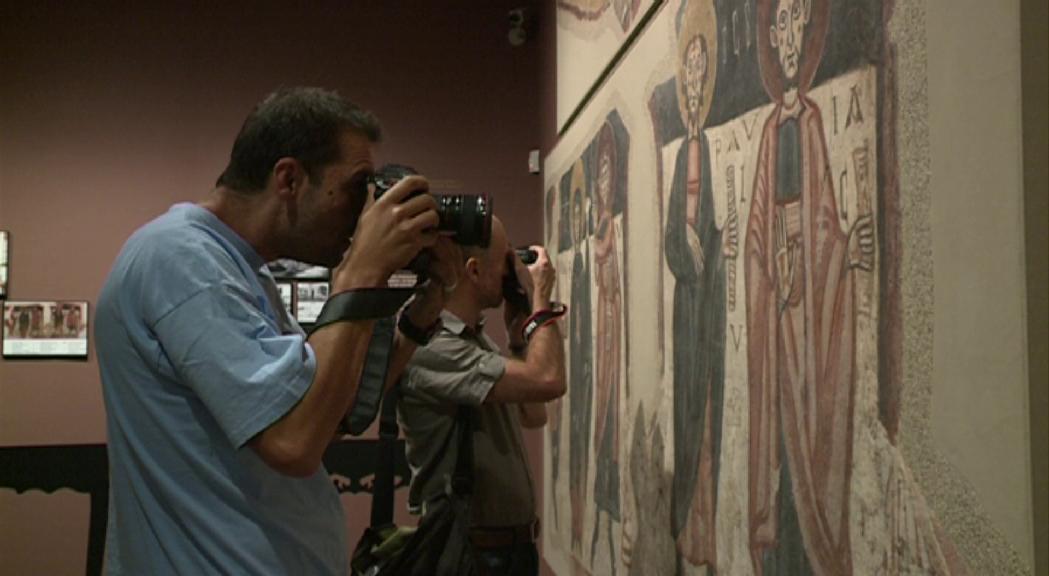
(286, 456)
(553, 383)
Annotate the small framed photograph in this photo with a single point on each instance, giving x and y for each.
(3, 264)
(287, 291)
(309, 299)
(45, 329)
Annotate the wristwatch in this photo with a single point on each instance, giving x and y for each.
(420, 336)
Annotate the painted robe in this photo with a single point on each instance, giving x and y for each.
(801, 338)
(580, 390)
(609, 334)
(699, 354)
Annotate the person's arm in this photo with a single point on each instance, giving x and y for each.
(533, 415)
(391, 231)
(540, 375)
(425, 308)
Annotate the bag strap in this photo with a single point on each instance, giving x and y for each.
(463, 479)
(382, 489)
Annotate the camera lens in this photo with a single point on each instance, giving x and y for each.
(527, 255)
(467, 217)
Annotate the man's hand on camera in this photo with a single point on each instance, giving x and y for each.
(446, 262)
(390, 232)
(524, 277)
(443, 277)
(541, 279)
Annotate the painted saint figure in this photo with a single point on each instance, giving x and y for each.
(695, 252)
(801, 326)
(609, 337)
(580, 373)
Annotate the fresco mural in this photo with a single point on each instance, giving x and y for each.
(592, 222)
(724, 215)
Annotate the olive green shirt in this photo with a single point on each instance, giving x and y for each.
(460, 366)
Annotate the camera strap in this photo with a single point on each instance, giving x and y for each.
(373, 378)
(362, 304)
(379, 304)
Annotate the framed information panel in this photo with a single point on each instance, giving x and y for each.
(303, 288)
(45, 329)
(309, 299)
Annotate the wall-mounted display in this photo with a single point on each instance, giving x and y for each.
(303, 287)
(310, 298)
(37, 329)
(3, 264)
(287, 290)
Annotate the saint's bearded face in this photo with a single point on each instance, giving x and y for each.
(695, 74)
(787, 32)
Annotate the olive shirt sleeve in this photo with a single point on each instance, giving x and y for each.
(456, 369)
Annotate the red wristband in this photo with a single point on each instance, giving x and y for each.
(542, 318)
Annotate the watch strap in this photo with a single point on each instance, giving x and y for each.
(420, 336)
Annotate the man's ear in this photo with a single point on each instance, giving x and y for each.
(473, 268)
(288, 176)
(806, 9)
(772, 36)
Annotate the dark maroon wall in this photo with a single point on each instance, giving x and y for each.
(110, 112)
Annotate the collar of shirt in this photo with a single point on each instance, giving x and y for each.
(204, 217)
(455, 325)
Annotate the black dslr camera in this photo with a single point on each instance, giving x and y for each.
(513, 292)
(467, 217)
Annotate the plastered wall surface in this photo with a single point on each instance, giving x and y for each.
(978, 419)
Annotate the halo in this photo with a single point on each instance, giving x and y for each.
(698, 20)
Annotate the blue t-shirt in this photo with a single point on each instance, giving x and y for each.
(197, 356)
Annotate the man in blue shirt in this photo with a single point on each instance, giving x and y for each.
(218, 407)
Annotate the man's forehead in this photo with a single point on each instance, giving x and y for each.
(355, 145)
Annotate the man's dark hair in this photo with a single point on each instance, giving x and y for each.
(302, 123)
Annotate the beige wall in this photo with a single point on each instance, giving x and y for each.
(980, 416)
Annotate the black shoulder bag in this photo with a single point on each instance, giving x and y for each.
(440, 545)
